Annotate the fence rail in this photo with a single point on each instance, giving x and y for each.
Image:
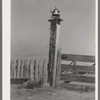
(78, 68)
(78, 73)
(80, 58)
(78, 78)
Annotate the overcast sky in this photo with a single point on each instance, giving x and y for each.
(30, 27)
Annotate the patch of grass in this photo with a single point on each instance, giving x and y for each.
(30, 84)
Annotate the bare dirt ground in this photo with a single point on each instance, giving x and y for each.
(47, 93)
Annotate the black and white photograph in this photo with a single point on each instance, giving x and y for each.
(53, 50)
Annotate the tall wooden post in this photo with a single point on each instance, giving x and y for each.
(54, 39)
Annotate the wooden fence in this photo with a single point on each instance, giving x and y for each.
(78, 73)
(22, 70)
(37, 70)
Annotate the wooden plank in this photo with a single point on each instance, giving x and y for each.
(25, 69)
(71, 67)
(13, 69)
(39, 71)
(45, 73)
(29, 69)
(35, 71)
(58, 66)
(26, 64)
(20, 70)
(78, 68)
(78, 78)
(80, 58)
(32, 70)
(16, 69)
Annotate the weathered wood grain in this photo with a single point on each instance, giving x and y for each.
(58, 66)
(80, 58)
(77, 78)
(78, 68)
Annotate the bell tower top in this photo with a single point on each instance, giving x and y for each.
(55, 13)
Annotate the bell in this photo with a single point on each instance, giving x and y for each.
(55, 13)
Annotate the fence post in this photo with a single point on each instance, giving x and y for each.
(53, 45)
